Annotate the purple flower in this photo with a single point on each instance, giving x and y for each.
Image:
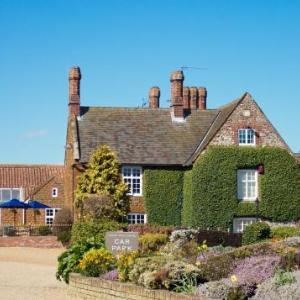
(111, 275)
(255, 269)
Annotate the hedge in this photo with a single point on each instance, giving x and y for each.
(163, 195)
(213, 202)
(186, 206)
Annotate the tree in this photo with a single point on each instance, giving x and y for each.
(102, 179)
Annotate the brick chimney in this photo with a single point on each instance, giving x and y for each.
(202, 96)
(177, 95)
(186, 98)
(74, 91)
(194, 97)
(154, 94)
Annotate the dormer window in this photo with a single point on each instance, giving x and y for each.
(246, 137)
(54, 192)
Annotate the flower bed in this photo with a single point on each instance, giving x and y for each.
(178, 263)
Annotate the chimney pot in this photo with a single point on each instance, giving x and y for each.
(194, 97)
(74, 91)
(186, 98)
(177, 78)
(202, 96)
(154, 94)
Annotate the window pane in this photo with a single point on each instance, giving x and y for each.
(126, 172)
(16, 194)
(242, 136)
(247, 184)
(250, 136)
(6, 194)
(136, 172)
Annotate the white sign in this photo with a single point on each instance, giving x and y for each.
(121, 241)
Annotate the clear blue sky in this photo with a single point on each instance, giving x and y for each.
(124, 47)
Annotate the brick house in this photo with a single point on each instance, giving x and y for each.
(155, 137)
(44, 183)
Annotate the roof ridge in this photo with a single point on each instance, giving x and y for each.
(138, 108)
(29, 165)
(237, 100)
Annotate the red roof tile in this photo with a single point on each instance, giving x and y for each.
(28, 177)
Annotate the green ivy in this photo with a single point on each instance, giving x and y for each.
(163, 194)
(213, 202)
(186, 206)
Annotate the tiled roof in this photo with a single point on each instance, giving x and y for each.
(29, 177)
(148, 136)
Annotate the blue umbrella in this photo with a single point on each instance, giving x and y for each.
(13, 203)
(36, 205)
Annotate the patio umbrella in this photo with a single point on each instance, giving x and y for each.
(36, 205)
(13, 203)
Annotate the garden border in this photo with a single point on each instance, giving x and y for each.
(97, 288)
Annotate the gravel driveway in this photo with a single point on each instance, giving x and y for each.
(29, 273)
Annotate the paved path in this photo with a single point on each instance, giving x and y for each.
(29, 274)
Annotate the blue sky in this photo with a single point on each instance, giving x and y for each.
(125, 47)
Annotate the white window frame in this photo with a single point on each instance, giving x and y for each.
(52, 217)
(55, 194)
(131, 178)
(246, 133)
(239, 224)
(11, 190)
(133, 218)
(241, 182)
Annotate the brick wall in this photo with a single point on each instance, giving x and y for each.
(266, 134)
(136, 204)
(69, 161)
(30, 241)
(11, 216)
(44, 194)
(96, 288)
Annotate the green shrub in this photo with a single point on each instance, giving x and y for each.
(283, 278)
(44, 230)
(216, 267)
(68, 261)
(64, 237)
(96, 262)
(96, 229)
(151, 242)
(146, 264)
(63, 221)
(163, 195)
(102, 179)
(256, 232)
(213, 202)
(290, 258)
(125, 263)
(186, 250)
(179, 274)
(284, 232)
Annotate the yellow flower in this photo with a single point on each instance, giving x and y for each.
(233, 278)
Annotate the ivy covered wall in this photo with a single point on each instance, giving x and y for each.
(213, 197)
(163, 195)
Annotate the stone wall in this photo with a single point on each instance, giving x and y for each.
(96, 288)
(248, 114)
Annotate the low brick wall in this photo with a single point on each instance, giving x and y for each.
(30, 241)
(96, 288)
